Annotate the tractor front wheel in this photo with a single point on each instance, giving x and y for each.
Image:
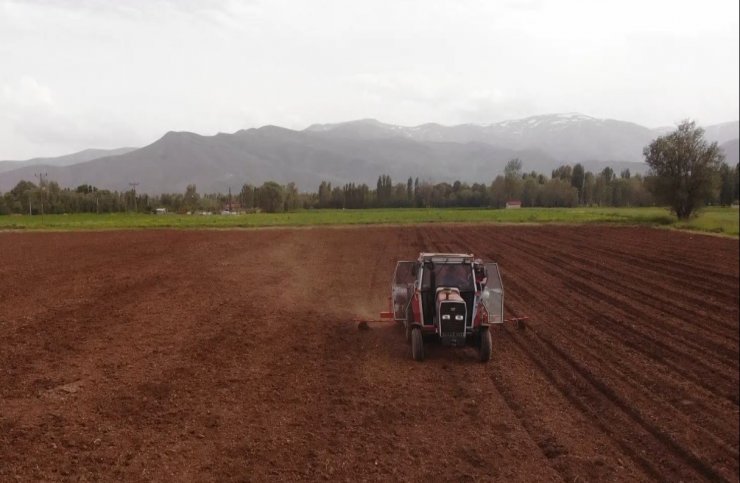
(486, 345)
(417, 344)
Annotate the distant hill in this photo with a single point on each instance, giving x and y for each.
(66, 160)
(730, 148)
(571, 136)
(213, 163)
(359, 151)
(722, 133)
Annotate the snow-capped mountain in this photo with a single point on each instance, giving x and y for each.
(570, 137)
(359, 151)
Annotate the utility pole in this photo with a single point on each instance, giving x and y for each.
(133, 188)
(40, 176)
(229, 199)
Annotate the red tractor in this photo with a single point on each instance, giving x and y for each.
(450, 296)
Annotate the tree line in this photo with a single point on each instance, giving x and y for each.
(685, 172)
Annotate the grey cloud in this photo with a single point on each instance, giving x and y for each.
(118, 72)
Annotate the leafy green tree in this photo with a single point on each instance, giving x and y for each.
(603, 187)
(246, 196)
(480, 194)
(270, 197)
(577, 180)
(621, 192)
(356, 196)
(497, 194)
(684, 166)
(324, 194)
(384, 190)
(191, 198)
(425, 194)
(337, 198)
(513, 179)
(441, 192)
(559, 193)
(513, 168)
(639, 194)
(607, 174)
(85, 189)
(23, 194)
(564, 172)
(291, 197)
(530, 192)
(589, 188)
(727, 185)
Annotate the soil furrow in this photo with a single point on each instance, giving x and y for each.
(233, 356)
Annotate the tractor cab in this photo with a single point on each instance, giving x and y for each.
(451, 295)
(447, 291)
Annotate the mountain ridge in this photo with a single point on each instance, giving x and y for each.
(64, 160)
(360, 150)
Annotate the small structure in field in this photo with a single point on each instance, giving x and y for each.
(161, 211)
(513, 204)
(231, 208)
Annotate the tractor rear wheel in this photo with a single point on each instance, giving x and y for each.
(417, 344)
(486, 344)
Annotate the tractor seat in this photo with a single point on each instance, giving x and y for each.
(452, 294)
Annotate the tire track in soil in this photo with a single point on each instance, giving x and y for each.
(701, 281)
(620, 301)
(98, 361)
(437, 239)
(624, 252)
(548, 445)
(696, 410)
(352, 405)
(534, 432)
(199, 366)
(710, 252)
(209, 382)
(584, 402)
(681, 409)
(584, 405)
(459, 384)
(340, 394)
(731, 457)
(698, 464)
(627, 333)
(660, 285)
(557, 431)
(656, 289)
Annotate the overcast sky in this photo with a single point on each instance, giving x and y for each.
(94, 73)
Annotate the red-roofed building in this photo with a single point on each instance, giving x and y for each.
(513, 204)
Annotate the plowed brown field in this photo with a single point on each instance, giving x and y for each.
(231, 355)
